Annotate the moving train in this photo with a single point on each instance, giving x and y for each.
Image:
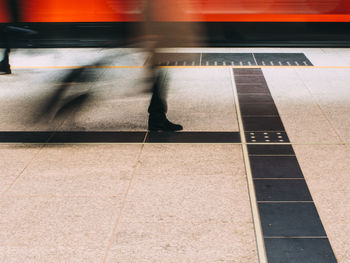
(202, 10)
(228, 21)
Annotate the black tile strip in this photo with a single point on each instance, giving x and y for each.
(229, 59)
(247, 71)
(282, 59)
(290, 220)
(282, 190)
(254, 79)
(118, 137)
(270, 150)
(275, 167)
(193, 137)
(97, 137)
(299, 250)
(249, 98)
(262, 124)
(233, 59)
(267, 137)
(177, 59)
(258, 109)
(252, 88)
(24, 137)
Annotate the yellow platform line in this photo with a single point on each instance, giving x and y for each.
(72, 67)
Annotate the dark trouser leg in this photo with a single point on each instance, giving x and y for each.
(158, 107)
(158, 103)
(5, 63)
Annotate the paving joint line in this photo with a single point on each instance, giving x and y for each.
(116, 223)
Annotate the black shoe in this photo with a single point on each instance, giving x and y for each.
(5, 68)
(163, 125)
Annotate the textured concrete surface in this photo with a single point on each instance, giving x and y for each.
(326, 169)
(159, 202)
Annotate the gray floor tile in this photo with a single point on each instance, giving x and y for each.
(290, 220)
(299, 250)
(282, 190)
(275, 167)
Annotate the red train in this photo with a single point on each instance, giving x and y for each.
(196, 10)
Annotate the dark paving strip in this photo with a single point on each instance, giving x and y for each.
(290, 220)
(270, 150)
(228, 59)
(266, 137)
(248, 71)
(71, 137)
(282, 59)
(256, 124)
(24, 137)
(177, 59)
(257, 98)
(259, 109)
(118, 137)
(299, 250)
(292, 229)
(251, 80)
(194, 137)
(282, 190)
(232, 59)
(275, 167)
(247, 89)
(97, 137)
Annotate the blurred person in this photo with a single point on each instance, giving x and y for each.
(161, 34)
(9, 31)
(12, 7)
(153, 35)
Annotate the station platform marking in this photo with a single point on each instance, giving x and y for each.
(287, 224)
(175, 67)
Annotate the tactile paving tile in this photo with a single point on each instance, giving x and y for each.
(258, 109)
(247, 71)
(119, 137)
(299, 250)
(270, 149)
(227, 59)
(25, 137)
(282, 59)
(232, 59)
(177, 59)
(97, 137)
(264, 123)
(269, 190)
(193, 137)
(289, 218)
(267, 137)
(277, 167)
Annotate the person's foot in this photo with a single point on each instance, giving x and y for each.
(163, 125)
(5, 68)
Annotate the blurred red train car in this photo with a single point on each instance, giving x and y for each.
(196, 10)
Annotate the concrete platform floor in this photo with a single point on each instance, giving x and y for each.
(141, 201)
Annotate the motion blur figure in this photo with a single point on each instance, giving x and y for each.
(13, 10)
(12, 7)
(160, 35)
(152, 35)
